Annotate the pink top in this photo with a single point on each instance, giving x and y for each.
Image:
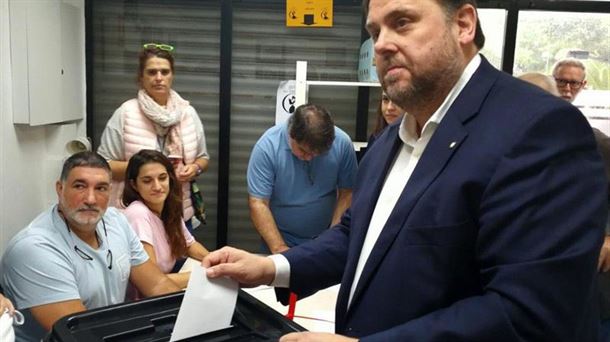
(149, 229)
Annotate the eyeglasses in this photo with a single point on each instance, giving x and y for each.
(84, 254)
(164, 47)
(573, 84)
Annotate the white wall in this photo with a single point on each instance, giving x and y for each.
(30, 157)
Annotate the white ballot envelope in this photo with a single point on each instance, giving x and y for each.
(208, 305)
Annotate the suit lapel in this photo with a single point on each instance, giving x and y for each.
(386, 148)
(373, 188)
(445, 141)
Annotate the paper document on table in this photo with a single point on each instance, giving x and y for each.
(208, 305)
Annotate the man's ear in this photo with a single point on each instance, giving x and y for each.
(58, 188)
(466, 19)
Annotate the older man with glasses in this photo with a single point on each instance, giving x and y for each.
(569, 74)
(570, 77)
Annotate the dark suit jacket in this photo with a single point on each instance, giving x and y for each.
(494, 238)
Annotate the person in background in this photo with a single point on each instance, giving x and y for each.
(571, 77)
(603, 141)
(478, 218)
(158, 119)
(542, 81)
(154, 201)
(77, 255)
(569, 74)
(387, 113)
(300, 176)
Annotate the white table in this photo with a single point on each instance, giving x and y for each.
(314, 313)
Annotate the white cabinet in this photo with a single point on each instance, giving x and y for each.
(301, 88)
(48, 58)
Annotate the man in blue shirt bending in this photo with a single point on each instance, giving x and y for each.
(300, 177)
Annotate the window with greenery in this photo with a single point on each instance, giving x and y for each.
(545, 37)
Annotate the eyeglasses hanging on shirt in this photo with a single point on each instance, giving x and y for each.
(88, 257)
(308, 169)
(84, 255)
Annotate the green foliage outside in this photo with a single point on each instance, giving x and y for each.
(544, 37)
(598, 74)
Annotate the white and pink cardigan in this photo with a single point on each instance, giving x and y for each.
(139, 134)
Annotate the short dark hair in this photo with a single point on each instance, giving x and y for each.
(450, 6)
(313, 126)
(83, 159)
(149, 52)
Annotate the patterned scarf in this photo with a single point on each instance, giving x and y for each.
(166, 120)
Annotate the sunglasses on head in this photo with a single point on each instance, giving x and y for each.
(164, 47)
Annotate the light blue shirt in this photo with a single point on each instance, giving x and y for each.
(302, 194)
(40, 266)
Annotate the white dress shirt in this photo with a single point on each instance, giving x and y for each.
(398, 176)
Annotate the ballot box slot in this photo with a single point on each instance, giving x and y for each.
(164, 323)
(130, 334)
(240, 319)
(252, 308)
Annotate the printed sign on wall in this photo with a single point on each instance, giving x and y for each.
(285, 101)
(309, 13)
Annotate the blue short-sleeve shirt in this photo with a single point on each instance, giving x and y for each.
(40, 266)
(302, 194)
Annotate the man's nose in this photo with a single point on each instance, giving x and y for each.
(90, 196)
(384, 42)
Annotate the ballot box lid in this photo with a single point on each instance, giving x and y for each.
(153, 320)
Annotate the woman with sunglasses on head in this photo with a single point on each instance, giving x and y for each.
(153, 198)
(158, 119)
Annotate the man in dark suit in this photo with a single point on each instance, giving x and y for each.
(479, 217)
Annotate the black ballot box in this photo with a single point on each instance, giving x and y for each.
(153, 320)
